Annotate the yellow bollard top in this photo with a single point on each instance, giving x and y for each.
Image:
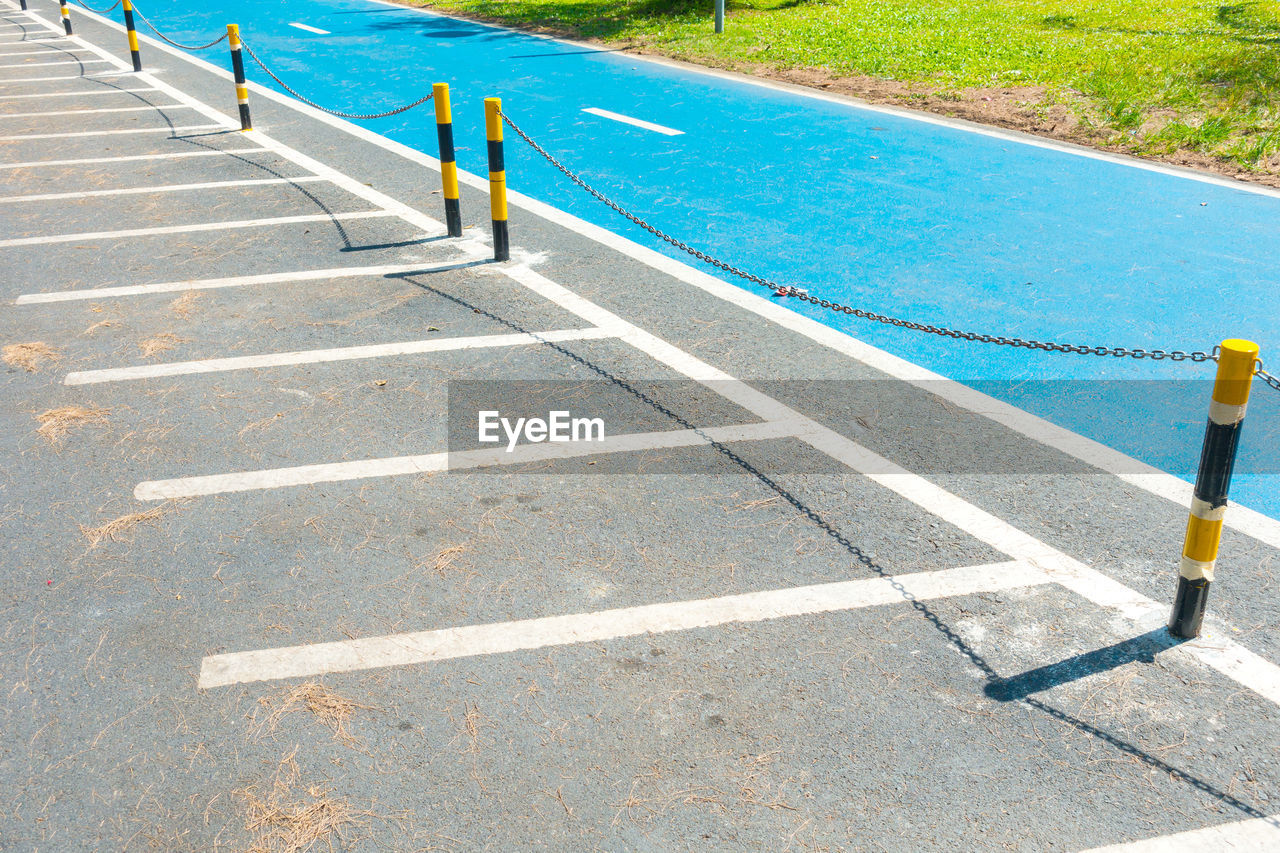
(440, 94)
(233, 36)
(493, 119)
(1236, 360)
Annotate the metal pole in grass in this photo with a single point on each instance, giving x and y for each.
(1236, 360)
(133, 35)
(719, 16)
(497, 179)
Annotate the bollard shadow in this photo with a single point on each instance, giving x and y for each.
(443, 28)
(1140, 649)
(460, 265)
(397, 245)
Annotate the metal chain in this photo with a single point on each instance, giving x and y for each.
(164, 37)
(98, 11)
(788, 290)
(1269, 379)
(358, 116)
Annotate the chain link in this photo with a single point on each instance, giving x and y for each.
(98, 11)
(164, 37)
(803, 295)
(1269, 379)
(310, 103)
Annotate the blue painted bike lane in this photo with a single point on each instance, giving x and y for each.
(907, 217)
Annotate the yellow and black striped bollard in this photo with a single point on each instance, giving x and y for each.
(23, 3)
(133, 35)
(448, 165)
(497, 179)
(1236, 359)
(237, 71)
(66, 16)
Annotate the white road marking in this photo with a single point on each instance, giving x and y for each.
(186, 229)
(164, 188)
(318, 356)
(7, 80)
(236, 281)
(35, 52)
(171, 155)
(173, 130)
(85, 94)
(1259, 835)
(95, 111)
(647, 125)
(505, 637)
(43, 64)
(336, 472)
(1265, 677)
(315, 30)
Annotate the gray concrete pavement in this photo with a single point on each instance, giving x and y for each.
(894, 724)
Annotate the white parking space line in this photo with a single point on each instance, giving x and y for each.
(97, 75)
(172, 130)
(505, 637)
(171, 155)
(318, 356)
(647, 125)
(96, 111)
(164, 188)
(88, 93)
(234, 281)
(35, 52)
(63, 62)
(335, 472)
(1259, 835)
(315, 30)
(188, 229)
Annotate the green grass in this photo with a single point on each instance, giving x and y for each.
(1154, 77)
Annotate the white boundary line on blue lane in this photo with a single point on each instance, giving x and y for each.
(1213, 648)
(1139, 474)
(634, 122)
(310, 29)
